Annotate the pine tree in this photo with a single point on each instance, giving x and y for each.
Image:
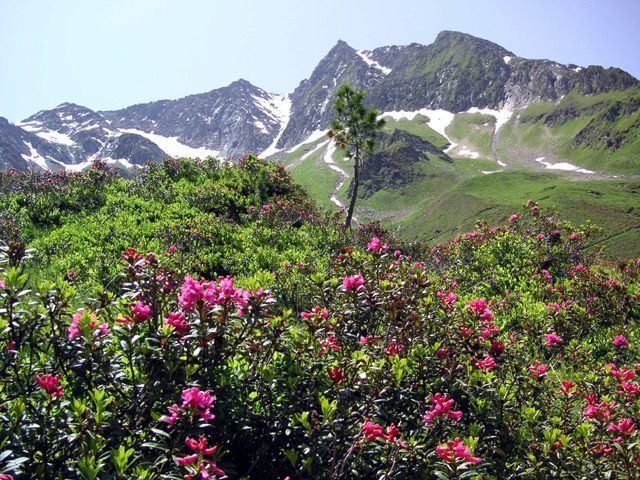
(354, 129)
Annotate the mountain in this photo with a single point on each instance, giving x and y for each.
(456, 73)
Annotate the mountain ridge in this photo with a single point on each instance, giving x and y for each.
(456, 72)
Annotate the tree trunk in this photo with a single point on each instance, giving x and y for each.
(354, 193)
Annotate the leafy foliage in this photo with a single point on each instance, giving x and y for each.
(503, 353)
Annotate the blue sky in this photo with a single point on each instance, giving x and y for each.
(107, 54)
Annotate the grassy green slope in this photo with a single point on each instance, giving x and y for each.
(493, 198)
(598, 132)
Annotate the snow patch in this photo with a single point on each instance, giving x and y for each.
(172, 147)
(317, 134)
(314, 150)
(328, 159)
(35, 157)
(439, 120)
(577, 69)
(261, 126)
(364, 55)
(280, 108)
(562, 166)
(489, 172)
(465, 152)
(501, 116)
(506, 59)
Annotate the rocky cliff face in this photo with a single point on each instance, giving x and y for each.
(456, 72)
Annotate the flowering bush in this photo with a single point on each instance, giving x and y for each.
(505, 353)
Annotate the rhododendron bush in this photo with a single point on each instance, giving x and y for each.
(505, 353)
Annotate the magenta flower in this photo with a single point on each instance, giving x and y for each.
(194, 401)
(196, 463)
(316, 313)
(190, 294)
(354, 283)
(487, 364)
(2, 284)
(49, 384)
(625, 426)
(141, 312)
(552, 339)
(177, 320)
(442, 408)
(394, 348)
(78, 324)
(456, 449)
(376, 246)
(328, 344)
(620, 341)
(447, 298)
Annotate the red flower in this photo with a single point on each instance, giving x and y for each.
(50, 384)
(394, 348)
(336, 374)
(566, 387)
(497, 348)
(354, 283)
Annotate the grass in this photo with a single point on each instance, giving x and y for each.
(473, 130)
(608, 204)
(418, 127)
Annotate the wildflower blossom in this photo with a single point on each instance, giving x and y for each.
(552, 339)
(354, 283)
(442, 408)
(178, 322)
(376, 246)
(487, 364)
(394, 348)
(456, 449)
(328, 344)
(538, 370)
(195, 401)
(141, 312)
(620, 341)
(625, 426)
(49, 384)
(336, 374)
(77, 324)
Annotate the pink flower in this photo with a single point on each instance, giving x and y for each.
(195, 401)
(316, 313)
(190, 294)
(2, 284)
(538, 370)
(514, 217)
(371, 430)
(456, 449)
(354, 283)
(599, 411)
(141, 312)
(487, 364)
(619, 341)
(172, 249)
(447, 298)
(5, 476)
(178, 321)
(79, 323)
(625, 427)
(49, 383)
(442, 408)
(552, 339)
(196, 463)
(376, 246)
